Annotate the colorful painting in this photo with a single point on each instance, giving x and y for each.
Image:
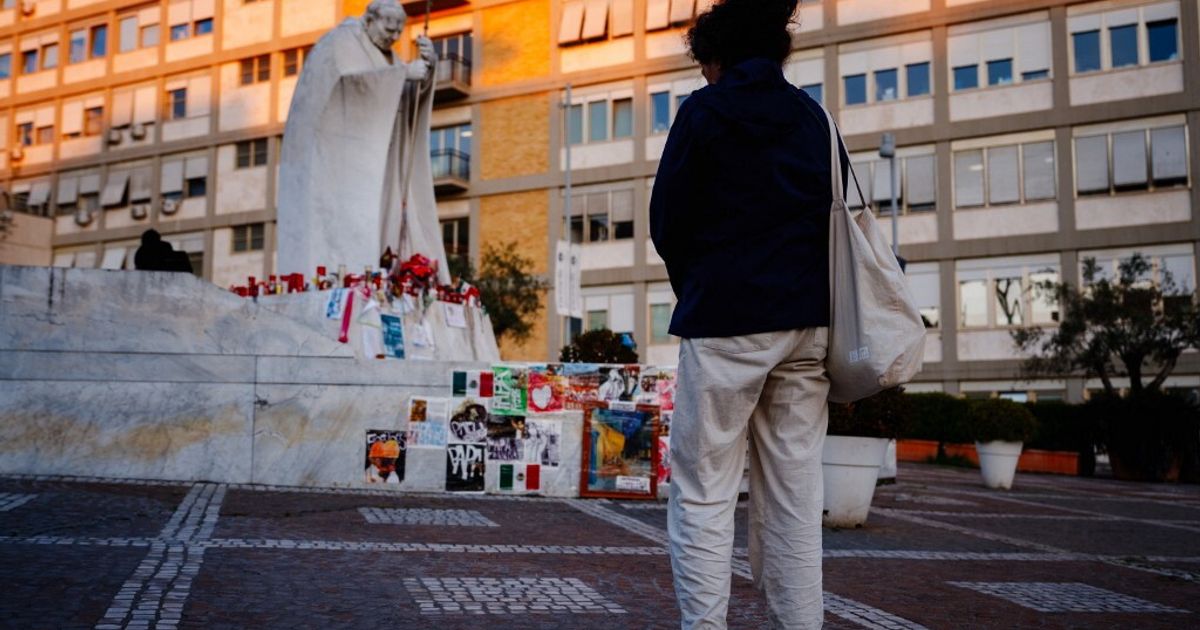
(464, 467)
(620, 452)
(509, 387)
(546, 389)
(385, 456)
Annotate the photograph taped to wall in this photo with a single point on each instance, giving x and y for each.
(583, 385)
(509, 387)
(393, 336)
(547, 388)
(619, 383)
(427, 418)
(385, 456)
(465, 467)
(620, 452)
(542, 442)
(504, 436)
(468, 420)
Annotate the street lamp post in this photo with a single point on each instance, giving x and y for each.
(887, 149)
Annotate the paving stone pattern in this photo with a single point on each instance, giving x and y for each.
(939, 551)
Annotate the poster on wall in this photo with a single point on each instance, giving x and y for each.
(665, 384)
(393, 336)
(518, 477)
(385, 456)
(542, 442)
(504, 438)
(464, 467)
(509, 387)
(468, 420)
(619, 383)
(620, 452)
(546, 389)
(427, 419)
(474, 383)
(583, 385)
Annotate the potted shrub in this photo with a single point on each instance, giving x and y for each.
(1000, 429)
(854, 450)
(938, 420)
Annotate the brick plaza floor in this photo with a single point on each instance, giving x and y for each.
(940, 551)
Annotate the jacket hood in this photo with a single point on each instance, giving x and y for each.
(754, 96)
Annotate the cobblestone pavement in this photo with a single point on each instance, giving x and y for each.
(940, 551)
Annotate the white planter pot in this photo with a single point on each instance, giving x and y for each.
(998, 463)
(851, 467)
(888, 469)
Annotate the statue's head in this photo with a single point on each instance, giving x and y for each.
(384, 21)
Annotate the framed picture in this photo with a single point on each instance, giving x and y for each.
(620, 451)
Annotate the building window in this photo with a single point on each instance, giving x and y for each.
(623, 118)
(600, 119)
(925, 282)
(887, 85)
(814, 91)
(293, 60)
(1003, 175)
(917, 75)
(1006, 295)
(25, 134)
(601, 216)
(256, 69)
(252, 153)
(150, 35)
(456, 236)
(454, 53)
(29, 61)
(88, 43)
(916, 174)
(128, 34)
(1135, 37)
(1143, 159)
(597, 121)
(1000, 72)
(195, 187)
(203, 27)
(248, 238)
(660, 323)
(93, 121)
(660, 112)
(1034, 75)
(597, 320)
(6, 66)
(181, 31)
(45, 135)
(49, 56)
(176, 104)
(856, 89)
(450, 151)
(583, 21)
(966, 77)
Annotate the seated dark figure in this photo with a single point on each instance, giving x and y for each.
(156, 254)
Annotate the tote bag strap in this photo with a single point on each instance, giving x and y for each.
(835, 159)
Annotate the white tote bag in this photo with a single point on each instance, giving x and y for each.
(876, 334)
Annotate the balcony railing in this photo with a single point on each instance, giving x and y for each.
(453, 78)
(451, 170)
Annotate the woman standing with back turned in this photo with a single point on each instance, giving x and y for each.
(740, 215)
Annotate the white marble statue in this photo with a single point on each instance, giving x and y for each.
(355, 174)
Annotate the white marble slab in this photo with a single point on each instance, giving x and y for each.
(126, 367)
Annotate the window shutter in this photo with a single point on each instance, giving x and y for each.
(1169, 151)
(863, 170)
(1129, 158)
(996, 44)
(597, 205)
(1003, 184)
(122, 114)
(578, 203)
(1033, 47)
(72, 117)
(882, 186)
(114, 191)
(144, 107)
(1091, 164)
(595, 19)
(89, 184)
(179, 12)
(39, 195)
(172, 177)
(199, 96)
(202, 9)
(44, 117)
(621, 19)
(68, 190)
(622, 206)
(658, 14)
(572, 22)
(1040, 172)
(149, 16)
(964, 50)
(968, 179)
(114, 258)
(682, 10)
(921, 185)
(139, 185)
(196, 167)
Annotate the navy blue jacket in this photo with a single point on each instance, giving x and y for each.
(740, 209)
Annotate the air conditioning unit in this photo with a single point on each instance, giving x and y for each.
(28, 7)
(83, 217)
(170, 206)
(115, 136)
(139, 211)
(138, 131)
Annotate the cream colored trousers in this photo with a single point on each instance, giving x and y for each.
(772, 388)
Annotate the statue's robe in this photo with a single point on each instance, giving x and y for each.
(349, 145)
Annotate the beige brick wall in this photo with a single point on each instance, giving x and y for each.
(516, 42)
(520, 219)
(516, 137)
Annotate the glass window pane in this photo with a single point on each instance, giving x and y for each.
(597, 121)
(99, 40)
(968, 179)
(1087, 51)
(78, 51)
(623, 118)
(1003, 185)
(660, 112)
(129, 33)
(926, 292)
(917, 76)
(149, 36)
(29, 62)
(1042, 301)
(204, 27)
(1000, 72)
(1035, 75)
(50, 57)
(1164, 40)
(972, 304)
(1129, 159)
(5, 66)
(1008, 302)
(966, 77)
(1040, 174)
(920, 187)
(1169, 155)
(886, 85)
(575, 124)
(597, 320)
(1124, 45)
(856, 89)
(660, 323)
(180, 31)
(1091, 164)
(679, 99)
(815, 91)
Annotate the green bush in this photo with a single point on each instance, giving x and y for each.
(884, 415)
(997, 419)
(1064, 427)
(598, 346)
(1152, 437)
(938, 417)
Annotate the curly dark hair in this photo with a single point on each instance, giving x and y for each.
(734, 31)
